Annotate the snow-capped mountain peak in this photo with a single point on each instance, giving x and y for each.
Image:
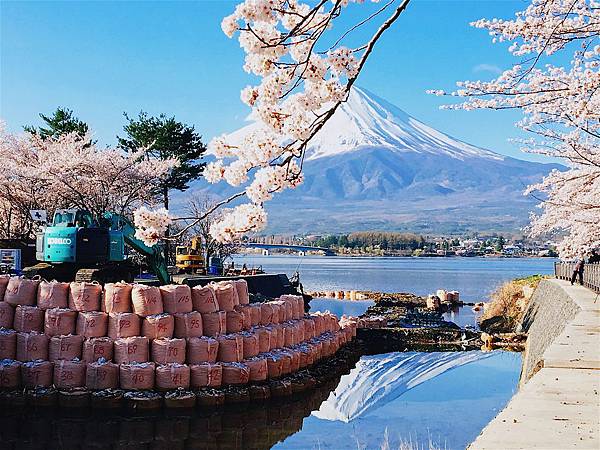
(367, 121)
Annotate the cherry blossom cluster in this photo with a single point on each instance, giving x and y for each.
(301, 85)
(239, 221)
(560, 105)
(71, 172)
(150, 225)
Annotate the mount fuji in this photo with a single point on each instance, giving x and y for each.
(374, 167)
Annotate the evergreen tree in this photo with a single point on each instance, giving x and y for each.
(164, 137)
(62, 121)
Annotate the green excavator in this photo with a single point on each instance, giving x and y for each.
(78, 246)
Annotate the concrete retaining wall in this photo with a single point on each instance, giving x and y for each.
(549, 311)
(558, 407)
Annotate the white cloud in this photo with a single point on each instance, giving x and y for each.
(487, 68)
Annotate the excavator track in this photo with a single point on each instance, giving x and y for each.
(108, 274)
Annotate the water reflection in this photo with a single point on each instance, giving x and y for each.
(242, 426)
(379, 379)
(446, 407)
(439, 396)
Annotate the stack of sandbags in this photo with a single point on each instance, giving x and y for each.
(141, 337)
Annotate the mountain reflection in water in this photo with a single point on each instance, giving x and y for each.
(378, 379)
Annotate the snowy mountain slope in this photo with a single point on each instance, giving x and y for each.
(377, 380)
(373, 166)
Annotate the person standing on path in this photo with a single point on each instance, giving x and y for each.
(578, 271)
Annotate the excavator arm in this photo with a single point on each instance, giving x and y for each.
(154, 254)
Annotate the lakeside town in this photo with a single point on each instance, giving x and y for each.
(408, 244)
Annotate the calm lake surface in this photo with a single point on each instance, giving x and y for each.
(474, 278)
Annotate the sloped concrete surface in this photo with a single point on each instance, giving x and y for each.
(559, 407)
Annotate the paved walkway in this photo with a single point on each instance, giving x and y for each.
(559, 407)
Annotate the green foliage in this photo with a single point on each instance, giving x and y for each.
(382, 240)
(164, 137)
(62, 121)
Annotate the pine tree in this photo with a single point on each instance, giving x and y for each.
(62, 121)
(166, 138)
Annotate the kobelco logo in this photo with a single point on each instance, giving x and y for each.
(59, 241)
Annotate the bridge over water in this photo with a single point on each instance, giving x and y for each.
(302, 249)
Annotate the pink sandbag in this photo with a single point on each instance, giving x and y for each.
(32, 346)
(131, 349)
(146, 300)
(84, 296)
(259, 369)
(7, 315)
(188, 325)
(122, 325)
(295, 364)
(96, 348)
(286, 362)
(59, 321)
(309, 329)
(21, 291)
(235, 373)
(231, 348)
(266, 314)
(251, 344)
(4, 279)
(158, 326)
(204, 299)
(279, 334)
(37, 374)
(8, 344)
(172, 376)
(10, 374)
(52, 294)
(136, 376)
(241, 286)
(92, 324)
(226, 295)
(117, 297)
(289, 310)
(65, 347)
(206, 375)
(202, 349)
(102, 375)
(234, 322)
(176, 298)
(165, 351)
(255, 314)
(288, 333)
(69, 374)
(244, 310)
(28, 318)
(279, 311)
(214, 324)
(264, 339)
(274, 366)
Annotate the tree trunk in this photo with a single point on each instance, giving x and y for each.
(167, 252)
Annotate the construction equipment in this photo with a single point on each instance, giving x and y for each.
(78, 246)
(189, 259)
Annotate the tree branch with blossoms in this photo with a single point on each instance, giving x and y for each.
(302, 82)
(560, 105)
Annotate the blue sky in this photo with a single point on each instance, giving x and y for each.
(103, 58)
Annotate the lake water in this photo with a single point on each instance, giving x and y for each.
(474, 278)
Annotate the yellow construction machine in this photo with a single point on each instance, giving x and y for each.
(189, 258)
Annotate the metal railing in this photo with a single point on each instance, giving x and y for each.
(591, 274)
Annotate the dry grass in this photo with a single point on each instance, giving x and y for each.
(510, 300)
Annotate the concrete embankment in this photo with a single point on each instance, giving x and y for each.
(558, 403)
